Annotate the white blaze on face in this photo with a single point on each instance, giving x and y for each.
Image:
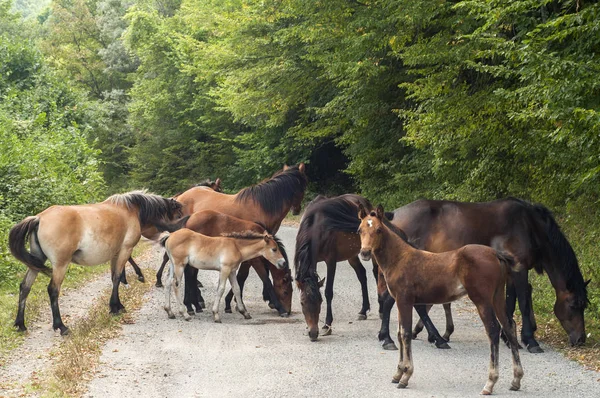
(370, 223)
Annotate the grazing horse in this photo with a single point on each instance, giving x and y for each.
(150, 232)
(328, 233)
(267, 202)
(416, 276)
(527, 231)
(212, 223)
(87, 235)
(223, 254)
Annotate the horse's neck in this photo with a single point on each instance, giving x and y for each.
(392, 249)
(249, 247)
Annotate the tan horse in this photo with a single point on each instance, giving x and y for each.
(267, 203)
(223, 254)
(86, 235)
(419, 277)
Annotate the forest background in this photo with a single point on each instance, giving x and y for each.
(395, 100)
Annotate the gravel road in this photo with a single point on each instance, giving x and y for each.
(269, 356)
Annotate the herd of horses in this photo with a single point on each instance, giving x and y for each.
(425, 253)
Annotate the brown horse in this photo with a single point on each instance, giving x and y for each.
(527, 231)
(150, 232)
(328, 233)
(213, 223)
(419, 277)
(223, 254)
(267, 202)
(86, 235)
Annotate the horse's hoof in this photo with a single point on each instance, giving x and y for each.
(202, 304)
(389, 346)
(187, 318)
(395, 380)
(247, 316)
(272, 306)
(535, 349)
(414, 336)
(158, 284)
(327, 331)
(442, 346)
(431, 338)
(402, 385)
(362, 317)
(514, 387)
(485, 392)
(218, 321)
(171, 316)
(228, 310)
(199, 309)
(64, 331)
(200, 284)
(284, 315)
(142, 279)
(20, 327)
(191, 312)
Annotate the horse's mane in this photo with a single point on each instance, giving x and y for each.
(243, 235)
(274, 193)
(206, 183)
(151, 207)
(311, 289)
(319, 220)
(553, 249)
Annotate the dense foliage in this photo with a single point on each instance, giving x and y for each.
(396, 99)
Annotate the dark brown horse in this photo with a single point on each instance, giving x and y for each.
(267, 203)
(419, 277)
(150, 232)
(212, 223)
(86, 235)
(527, 231)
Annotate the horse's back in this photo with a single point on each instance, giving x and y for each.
(214, 223)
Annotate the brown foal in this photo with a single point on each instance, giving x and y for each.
(419, 277)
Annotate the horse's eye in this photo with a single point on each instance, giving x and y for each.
(274, 250)
(378, 230)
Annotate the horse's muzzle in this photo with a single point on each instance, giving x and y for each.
(281, 264)
(365, 255)
(577, 341)
(313, 334)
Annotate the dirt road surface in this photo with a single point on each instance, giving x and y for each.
(269, 356)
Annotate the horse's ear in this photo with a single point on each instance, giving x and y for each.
(285, 167)
(218, 184)
(301, 167)
(362, 213)
(322, 282)
(380, 212)
(587, 282)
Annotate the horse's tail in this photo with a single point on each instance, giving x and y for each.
(177, 225)
(17, 239)
(508, 262)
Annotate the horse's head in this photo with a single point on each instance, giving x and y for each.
(370, 230)
(214, 185)
(174, 209)
(311, 300)
(272, 251)
(299, 196)
(282, 284)
(569, 309)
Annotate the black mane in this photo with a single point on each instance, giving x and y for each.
(248, 235)
(151, 208)
(278, 191)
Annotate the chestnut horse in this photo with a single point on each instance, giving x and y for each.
(223, 254)
(419, 277)
(267, 202)
(87, 235)
(212, 223)
(150, 233)
(526, 231)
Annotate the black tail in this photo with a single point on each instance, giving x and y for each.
(165, 227)
(18, 237)
(507, 260)
(163, 241)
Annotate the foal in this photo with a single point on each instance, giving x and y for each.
(223, 254)
(419, 277)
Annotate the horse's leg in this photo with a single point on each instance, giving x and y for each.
(192, 295)
(521, 285)
(117, 265)
(242, 275)
(160, 271)
(439, 341)
(238, 295)
(419, 326)
(331, 267)
(510, 331)
(492, 328)
(449, 321)
(24, 290)
(265, 292)
(223, 276)
(384, 332)
(137, 269)
(176, 282)
(511, 303)
(123, 278)
(169, 284)
(361, 274)
(405, 364)
(58, 275)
